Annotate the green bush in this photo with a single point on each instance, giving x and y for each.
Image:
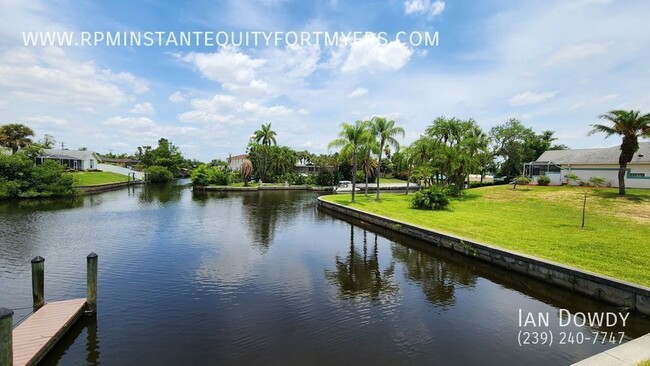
(325, 178)
(300, 180)
(20, 177)
(204, 176)
(453, 191)
(159, 174)
(597, 182)
(433, 198)
(522, 180)
(543, 180)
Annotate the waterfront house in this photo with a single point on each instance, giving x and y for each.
(588, 163)
(72, 159)
(235, 162)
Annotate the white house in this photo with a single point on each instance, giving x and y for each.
(587, 163)
(73, 159)
(235, 162)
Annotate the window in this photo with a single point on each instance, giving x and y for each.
(92, 164)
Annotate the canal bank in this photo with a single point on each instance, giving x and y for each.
(620, 293)
(261, 188)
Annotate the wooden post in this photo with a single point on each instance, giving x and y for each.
(6, 346)
(38, 282)
(91, 283)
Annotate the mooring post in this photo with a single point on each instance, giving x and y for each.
(91, 283)
(38, 282)
(6, 346)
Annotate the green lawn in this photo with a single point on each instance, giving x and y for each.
(96, 178)
(541, 221)
(390, 180)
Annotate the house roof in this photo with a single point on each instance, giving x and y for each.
(69, 154)
(240, 156)
(607, 155)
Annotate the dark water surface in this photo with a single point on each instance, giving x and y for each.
(267, 278)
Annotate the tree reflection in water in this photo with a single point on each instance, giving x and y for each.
(359, 275)
(437, 278)
(161, 193)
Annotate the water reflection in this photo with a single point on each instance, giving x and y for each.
(83, 334)
(264, 210)
(161, 193)
(31, 205)
(437, 278)
(359, 274)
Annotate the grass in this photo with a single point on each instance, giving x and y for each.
(96, 178)
(391, 180)
(543, 222)
(644, 363)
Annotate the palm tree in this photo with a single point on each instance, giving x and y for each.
(385, 132)
(265, 135)
(350, 139)
(15, 136)
(629, 125)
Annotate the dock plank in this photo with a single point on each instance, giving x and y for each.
(34, 337)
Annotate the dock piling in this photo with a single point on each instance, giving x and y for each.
(38, 282)
(6, 346)
(91, 283)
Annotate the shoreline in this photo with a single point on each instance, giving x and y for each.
(611, 290)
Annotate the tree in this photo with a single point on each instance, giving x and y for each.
(385, 132)
(265, 135)
(166, 154)
(47, 141)
(351, 137)
(15, 136)
(246, 171)
(630, 125)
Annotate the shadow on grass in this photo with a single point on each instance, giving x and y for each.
(610, 194)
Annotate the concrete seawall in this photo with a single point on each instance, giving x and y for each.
(105, 187)
(611, 290)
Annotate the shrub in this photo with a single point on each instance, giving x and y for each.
(522, 180)
(300, 180)
(432, 198)
(453, 191)
(325, 178)
(543, 180)
(597, 182)
(159, 174)
(310, 179)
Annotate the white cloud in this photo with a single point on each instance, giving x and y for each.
(49, 75)
(358, 92)
(227, 66)
(423, 7)
(45, 121)
(129, 123)
(369, 53)
(577, 52)
(529, 98)
(143, 108)
(227, 109)
(177, 97)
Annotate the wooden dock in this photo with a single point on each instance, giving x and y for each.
(34, 337)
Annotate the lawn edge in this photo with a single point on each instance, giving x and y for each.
(612, 290)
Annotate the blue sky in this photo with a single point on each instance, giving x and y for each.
(554, 65)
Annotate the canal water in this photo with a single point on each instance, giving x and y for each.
(266, 278)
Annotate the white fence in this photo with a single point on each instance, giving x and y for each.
(120, 170)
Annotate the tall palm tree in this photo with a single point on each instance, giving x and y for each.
(385, 132)
(15, 136)
(350, 139)
(265, 135)
(629, 125)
